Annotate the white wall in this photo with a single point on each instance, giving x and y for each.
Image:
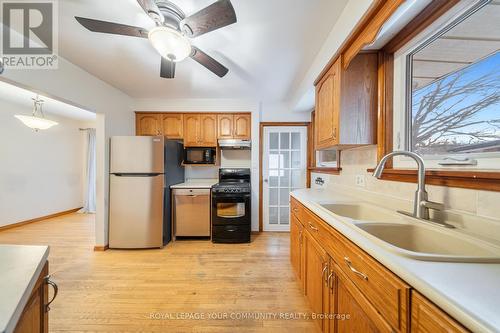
(301, 97)
(41, 173)
(215, 105)
(281, 112)
(114, 117)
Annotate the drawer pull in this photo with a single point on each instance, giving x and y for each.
(330, 281)
(324, 271)
(56, 290)
(313, 227)
(295, 209)
(354, 270)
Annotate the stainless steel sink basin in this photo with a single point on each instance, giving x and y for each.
(361, 212)
(430, 243)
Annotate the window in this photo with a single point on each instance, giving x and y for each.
(450, 113)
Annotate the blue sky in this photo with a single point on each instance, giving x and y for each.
(487, 66)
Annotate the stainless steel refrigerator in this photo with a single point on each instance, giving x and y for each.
(141, 170)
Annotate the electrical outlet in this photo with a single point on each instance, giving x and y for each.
(361, 180)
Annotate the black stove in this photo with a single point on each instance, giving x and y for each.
(231, 207)
(231, 187)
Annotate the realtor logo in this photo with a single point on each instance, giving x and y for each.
(29, 34)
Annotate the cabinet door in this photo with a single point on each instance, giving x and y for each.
(208, 124)
(363, 317)
(225, 125)
(316, 269)
(148, 124)
(191, 130)
(426, 317)
(242, 126)
(172, 125)
(327, 108)
(296, 251)
(34, 318)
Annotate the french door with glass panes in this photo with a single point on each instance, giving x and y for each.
(284, 164)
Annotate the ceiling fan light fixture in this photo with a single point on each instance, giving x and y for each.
(170, 43)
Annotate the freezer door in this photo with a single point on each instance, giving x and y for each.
(136, 212)
(137, 154)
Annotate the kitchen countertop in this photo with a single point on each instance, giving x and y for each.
(20, 267)
(196, 183)
(468, 292)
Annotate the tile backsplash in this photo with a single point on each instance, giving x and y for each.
(355, 162)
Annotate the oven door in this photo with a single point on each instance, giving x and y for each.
(230, 209)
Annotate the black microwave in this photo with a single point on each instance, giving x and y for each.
(199, 155)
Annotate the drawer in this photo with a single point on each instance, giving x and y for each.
(231, 233)
(296, 209)
(389, 294)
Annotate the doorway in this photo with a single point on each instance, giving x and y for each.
(283, 169)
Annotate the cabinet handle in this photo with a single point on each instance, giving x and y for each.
(335, 133)
(330, 281)
(295, 209)
(313, 227)
(324, 271)
(354, 270)
(56, 290)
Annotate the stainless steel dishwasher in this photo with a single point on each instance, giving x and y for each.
(192, 212)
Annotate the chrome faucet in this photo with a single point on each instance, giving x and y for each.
(421, 205)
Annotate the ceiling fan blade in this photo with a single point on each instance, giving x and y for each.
(112, 28)
(217, 15)
(167, 70)
(150, 7)
(210, 63)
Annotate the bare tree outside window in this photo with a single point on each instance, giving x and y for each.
(455, 86)
(459, 112)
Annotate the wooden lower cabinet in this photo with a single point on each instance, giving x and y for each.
(316, 270)
(428, 318)
(297, 248)
(35, 317)
(349, 291)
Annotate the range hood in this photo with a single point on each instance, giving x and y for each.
(235, 144)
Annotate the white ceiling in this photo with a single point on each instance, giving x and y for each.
(23, 97)
(272, 45)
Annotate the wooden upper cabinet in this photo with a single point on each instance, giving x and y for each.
(225, 126)
(208, 130)
(327, 108)
(172, 125)
(234, 126)
(242, 126)
(192, 130)
(148, 124)
(426, 317)
(197, 129)
(346, 104)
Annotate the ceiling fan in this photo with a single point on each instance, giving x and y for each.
(173, 32)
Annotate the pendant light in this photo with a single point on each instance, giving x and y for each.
(37, 120)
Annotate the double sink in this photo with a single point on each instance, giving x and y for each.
(415, 238)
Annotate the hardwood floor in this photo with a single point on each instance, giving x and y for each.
(150, 290)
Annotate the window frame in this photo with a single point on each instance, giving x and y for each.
(470, 179)
(402, 112)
